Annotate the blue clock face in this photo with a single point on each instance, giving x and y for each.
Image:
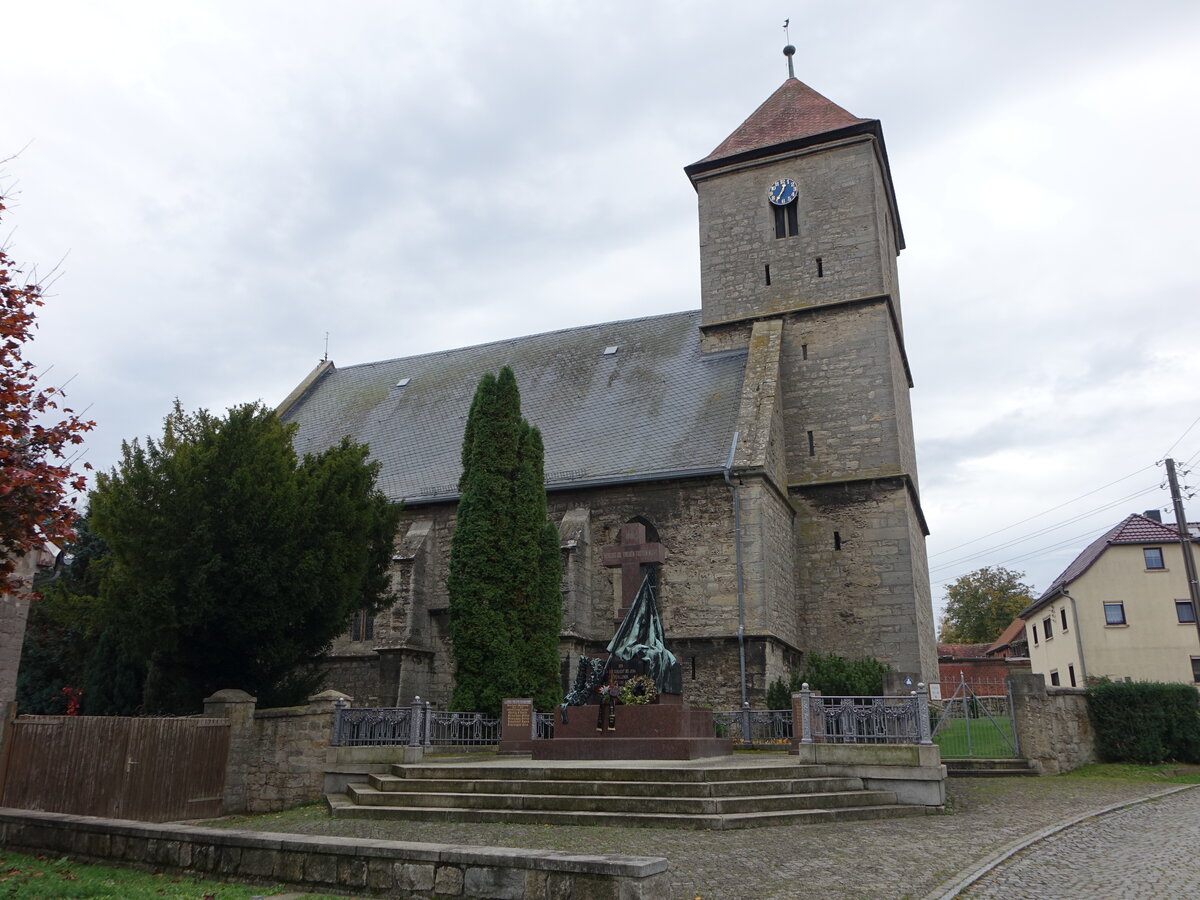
(783, 192)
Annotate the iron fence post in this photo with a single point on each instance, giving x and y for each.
(338, 723)
(414, 723)
(428, 722)
(745, 723)
(922, 694)
(805, 715)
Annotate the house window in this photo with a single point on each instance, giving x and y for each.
(1048, 627)
(1035, 639)
(1054, 681)
(1196, 668)
(1184, 612)
(1062, 617)
(1154, 557)
(1114, 614)
(1071, 675)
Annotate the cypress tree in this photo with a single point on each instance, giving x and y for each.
(505, 609)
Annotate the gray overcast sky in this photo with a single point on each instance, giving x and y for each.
(230, 181)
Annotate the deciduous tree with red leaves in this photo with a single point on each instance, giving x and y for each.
(38, 487)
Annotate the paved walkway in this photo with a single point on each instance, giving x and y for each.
(1144, 851)
(877, 860)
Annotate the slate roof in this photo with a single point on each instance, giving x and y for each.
(1134, 529)
(794, 112)
(656, 408)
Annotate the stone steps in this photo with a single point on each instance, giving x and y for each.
(395, 785)
(366, 796)
(341, 806)
(700, 797)
(989, 768)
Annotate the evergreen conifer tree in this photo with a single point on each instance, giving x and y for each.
(505, 569)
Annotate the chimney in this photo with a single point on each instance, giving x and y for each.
(1154, 515)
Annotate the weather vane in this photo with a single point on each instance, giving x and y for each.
(789, 51)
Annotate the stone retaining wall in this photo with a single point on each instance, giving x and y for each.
(1052, 724)
(346, 865)
(277, 757)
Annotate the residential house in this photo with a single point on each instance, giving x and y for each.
(1121, 610)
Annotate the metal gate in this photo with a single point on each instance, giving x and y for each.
(975, 721)
(152, 770)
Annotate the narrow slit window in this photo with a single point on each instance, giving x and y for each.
(820, 268)
(1062, 618)
(1071, 675)
(787, 220)
(767, 267)
(804, 351)
(693, 668)
(812, 447)
(837, 540)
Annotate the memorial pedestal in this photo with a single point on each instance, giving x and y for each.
(669, 729)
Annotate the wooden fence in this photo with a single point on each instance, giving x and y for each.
(153, 770)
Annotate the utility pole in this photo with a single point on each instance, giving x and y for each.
(1185, 542)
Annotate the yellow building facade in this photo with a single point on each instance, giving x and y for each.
(1121, 610)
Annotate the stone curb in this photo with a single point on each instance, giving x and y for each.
(948, 890)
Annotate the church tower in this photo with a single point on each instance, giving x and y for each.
(799, 235)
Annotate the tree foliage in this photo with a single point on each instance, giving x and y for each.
(505, 567)
(37, 483)
(981, 604)
(232, 563)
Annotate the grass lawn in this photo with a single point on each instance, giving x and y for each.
(1167, 773)
(58, 878)
(986, 741)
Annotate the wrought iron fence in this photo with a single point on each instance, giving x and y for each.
(369, 726)
(545, 726)
(415, 725)
(865, 720)
(746, 726)
(459, 728)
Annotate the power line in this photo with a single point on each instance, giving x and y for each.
(1043, 531)
(1181, 437)
(1039, 515)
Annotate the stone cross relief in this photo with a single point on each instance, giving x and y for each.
(632, 554)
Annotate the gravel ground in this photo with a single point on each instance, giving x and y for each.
(889, 859)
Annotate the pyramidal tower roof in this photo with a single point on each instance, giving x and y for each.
(794, 112)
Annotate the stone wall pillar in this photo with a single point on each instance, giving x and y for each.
(238, 708)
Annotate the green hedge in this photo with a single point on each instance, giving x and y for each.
(833, 676)
(1145, 722)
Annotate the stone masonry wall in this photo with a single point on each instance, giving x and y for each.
(838, 385)
(839, 220)
(855, 574)
(1052, 725)
(277, 757)
(14, 611)
(349, 866)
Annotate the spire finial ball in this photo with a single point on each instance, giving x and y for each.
(789, 50)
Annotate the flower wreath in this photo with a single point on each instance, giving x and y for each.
(639, 690)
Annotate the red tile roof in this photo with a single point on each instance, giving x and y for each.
(962, 651)
(793, 112)
(1015, 628)
(1134, 529)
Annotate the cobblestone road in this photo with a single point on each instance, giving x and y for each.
(883, 860)
(1146, 851)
